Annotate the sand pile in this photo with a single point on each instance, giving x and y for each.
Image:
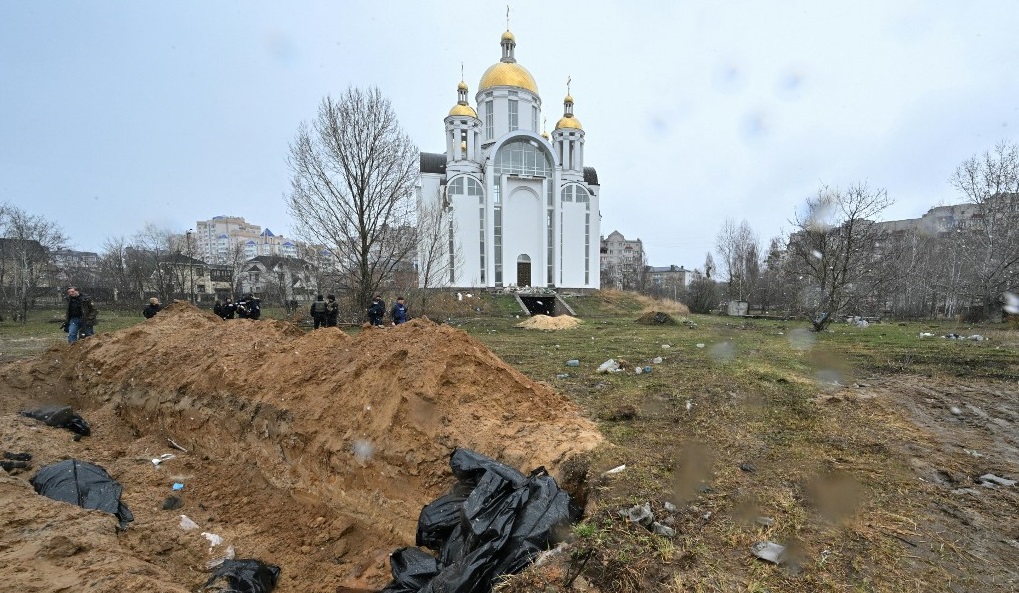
(549, 323)
(311, 451)
(656, 318)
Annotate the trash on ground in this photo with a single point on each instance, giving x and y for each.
(246, 576)
(993, 479)
(15, 461)
(766, 521)
(955, 410)
(666, 346)
(926, 335)
(164, 457)
(82, 484)
(670, 507)
(178, 486)
(176, 446)
(769, 552)
(573, 363)
(563, 376)
(748, 467)
(663, 530)
(187, 524)
(229, 555)
(640, 514)
(172, 503)
(495, 521)
(60, 417)
(700, 345)
(638, 370)
(657, 360)
(609, 366)
(616, 470)
(214, 540)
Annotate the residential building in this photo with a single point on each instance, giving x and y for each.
(673, 276)
(279, 278)
(521, 206)
(228, 239)
(622, 260)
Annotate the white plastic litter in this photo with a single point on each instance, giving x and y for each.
(615, 470)
(230, 553)
(657, 360)
(769, 552)
(700, 345)
(164, 457)
(608, 366)
(214, 540)
(187, 524)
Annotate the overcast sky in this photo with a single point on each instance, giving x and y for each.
(114, 114)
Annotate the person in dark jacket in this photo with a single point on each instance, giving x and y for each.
(377, 310)
(81, 315)
(399, 312)
(332, 311)
(152, 308)
(319, 311)
(228, 309)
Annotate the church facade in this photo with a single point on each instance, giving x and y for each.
(518, 208)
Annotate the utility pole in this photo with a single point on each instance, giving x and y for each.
(191, 269)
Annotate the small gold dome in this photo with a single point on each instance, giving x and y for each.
(544, 135)
(462, 110)
(568, 121)
(507, 74)
(568, 99)
(507, 36)
(462, 86)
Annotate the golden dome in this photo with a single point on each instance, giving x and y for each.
(507, 74)
(462, 86)
(568, 121)
(462, 110)
(568, 99)
(544, 135)
(507, 36)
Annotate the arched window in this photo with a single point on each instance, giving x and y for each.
(523, 157)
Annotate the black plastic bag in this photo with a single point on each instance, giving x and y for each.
(412, 569)
(245, 576)
(83, 484)
(505, 521)
(60, 417)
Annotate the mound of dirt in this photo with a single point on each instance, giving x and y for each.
(549, 323)
(656, 318)
(313, 451)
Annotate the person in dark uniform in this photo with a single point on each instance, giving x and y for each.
(152, 308)
(377, 310)
(318, 312)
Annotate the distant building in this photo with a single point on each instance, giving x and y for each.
(673, 276)
(227, 239)
(279, 278)
(622, 260)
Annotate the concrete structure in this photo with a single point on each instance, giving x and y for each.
(673, 276)
(521, 207)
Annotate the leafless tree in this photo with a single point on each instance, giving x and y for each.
(354, 171)
(153, 247)
(26, 244)
(837, 250)
(737, 244)
(439, 257)
(991, 239)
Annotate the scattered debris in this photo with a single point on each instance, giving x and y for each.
(187, 524)
(700, 345)
(616, 470)
(214, 540)
(640, 514)
(663, 530)
(769, 552)
(544, 322)
(176, 446)
(666, 346)
(609, 366)
(955, 410)
(748, 467)
(178, 486)
(765, 521)
(657, 360)
(172, 503)
(656, 318)
(573, 363)
(164, 457)
(991, 479)
(670, 507)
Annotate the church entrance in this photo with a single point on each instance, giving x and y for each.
(523, 270)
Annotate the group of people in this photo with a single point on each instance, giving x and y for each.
(248, 307)
(325, 312)
(377, 311)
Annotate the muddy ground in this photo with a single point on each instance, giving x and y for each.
(314, 452)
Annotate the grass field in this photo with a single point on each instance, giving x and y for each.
(843, 446)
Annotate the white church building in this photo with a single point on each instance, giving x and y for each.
(522, 209)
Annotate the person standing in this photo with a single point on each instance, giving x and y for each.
(399, 312)
(152, 308)
(377, 310)
(81, 315)
(318, 312)
(332, 311)
(228, 309)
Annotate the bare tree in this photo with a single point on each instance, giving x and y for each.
(836, 250)
(991, 240)
(439, 257)
(115, 267)
(154, 246)
(354, 171)
(25, 255)
(738, 246)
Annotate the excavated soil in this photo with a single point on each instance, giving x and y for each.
(547, 323)
(656, 318)
(313, 451)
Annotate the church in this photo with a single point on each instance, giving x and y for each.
(519, 208)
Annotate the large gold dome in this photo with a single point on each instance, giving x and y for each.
(507, 74)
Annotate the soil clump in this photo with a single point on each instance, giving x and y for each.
(656, 318)
(545, 322)
(312, 451)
